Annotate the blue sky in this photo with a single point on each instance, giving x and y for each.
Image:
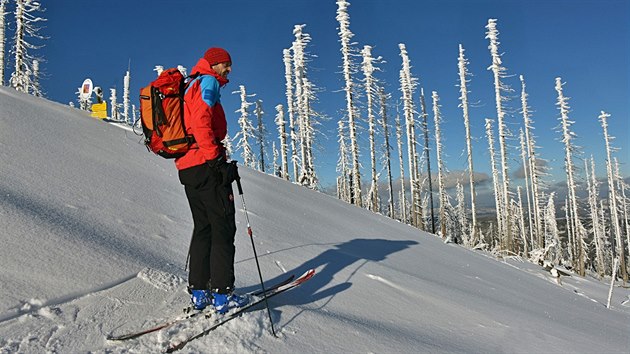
(584, 42)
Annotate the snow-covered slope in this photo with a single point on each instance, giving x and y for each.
(95, 232)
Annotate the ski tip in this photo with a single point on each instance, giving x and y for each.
(309, 273)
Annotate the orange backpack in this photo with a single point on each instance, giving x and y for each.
(162, 115)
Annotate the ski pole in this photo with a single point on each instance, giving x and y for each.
(251, 237)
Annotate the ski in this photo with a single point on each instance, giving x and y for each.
(189, 315)
(230, 316)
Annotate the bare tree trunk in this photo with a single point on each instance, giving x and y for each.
(623, 203)
(114, 114)
(126, 102)
(387, 146)
(570, 167)
(570, 233)
(522, 224)
(495, 179)
(343, 183)
(438, 143)
(464, 233)
(288, 74)
(407, 86)
(532, 169)
(246, 129)
(345, 36)
(612, 281)
(463, 72)
(282, 133)
(591, 182)
(425, 129)
(530, 226)
(403, 202)
(499, 87)
(370, 90)
(261, 135)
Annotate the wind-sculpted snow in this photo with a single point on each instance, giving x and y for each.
(95, 232)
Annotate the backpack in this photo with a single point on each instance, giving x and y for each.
(162, 115)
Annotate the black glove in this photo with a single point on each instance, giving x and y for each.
(227, 170)
(230, 173)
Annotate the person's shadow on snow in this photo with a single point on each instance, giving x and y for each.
(334, 260)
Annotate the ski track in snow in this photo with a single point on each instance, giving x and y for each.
(44, 326)
(392, 285)
(34, 305)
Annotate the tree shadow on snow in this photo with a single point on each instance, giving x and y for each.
(334, 260)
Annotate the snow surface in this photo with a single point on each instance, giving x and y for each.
(95, 232)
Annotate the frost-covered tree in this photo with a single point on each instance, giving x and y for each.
(247, 130)
(598, 236)
(3, 41)
(499, 72)
(343, 170)
(526, 172)
(114, 104)
(387, 148)
(623, 202)
(532, 171)
(26, 30)
(569, 150)
(370, 84)
(284, 147)
(262, 132)
(305, 115)
(275, 167)
(521, 222)
(288, 75)
(612, 191)
(348, 69)
(427, 159)
(407, 86)
(553, 248)
(299, 73)
(462, 218)
(498, 200)
(463, 72)
(36, 89)
(134, 112)
(401, 161)
(440, 162)
(227, 143)
(309, 176)
(126, 102)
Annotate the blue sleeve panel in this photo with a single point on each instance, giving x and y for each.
(209, 87)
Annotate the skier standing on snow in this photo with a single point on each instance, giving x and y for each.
(207, 178)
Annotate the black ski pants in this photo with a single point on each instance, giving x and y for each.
(212, 245)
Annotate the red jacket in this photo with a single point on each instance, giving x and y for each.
(204, 117)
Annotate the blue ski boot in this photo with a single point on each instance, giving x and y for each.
(224, 302)
(200, 298)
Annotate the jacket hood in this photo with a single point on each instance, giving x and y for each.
(203, 67)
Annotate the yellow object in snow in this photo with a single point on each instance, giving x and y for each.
(99, 110)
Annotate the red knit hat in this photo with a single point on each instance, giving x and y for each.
(216, 56)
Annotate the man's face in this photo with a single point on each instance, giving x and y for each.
(223, 69)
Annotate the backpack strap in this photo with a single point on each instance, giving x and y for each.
(189, 139)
